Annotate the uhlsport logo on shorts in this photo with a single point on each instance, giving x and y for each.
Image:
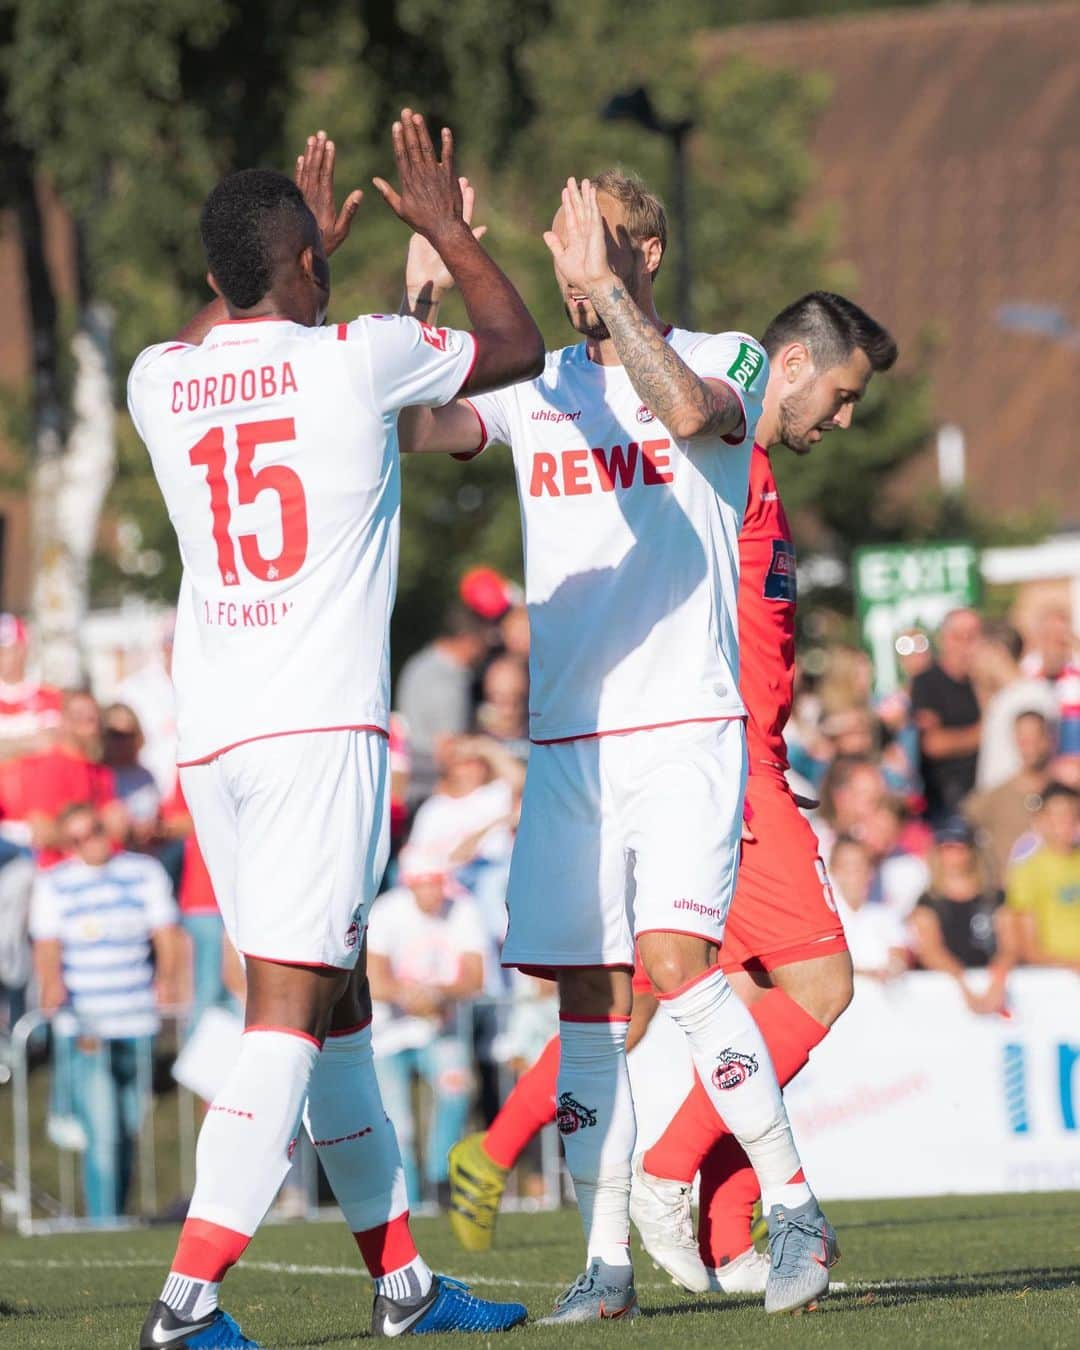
(733, 1069)
(572, 1116)
(352, 935)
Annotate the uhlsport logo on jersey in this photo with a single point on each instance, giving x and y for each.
(645, 414)
(746, 367)
(733, 1069)
(572, 1116)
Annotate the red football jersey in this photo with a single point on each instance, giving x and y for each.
(27, 708)
(59, 778)
(766, 616)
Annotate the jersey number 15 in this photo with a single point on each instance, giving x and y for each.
(209, 454)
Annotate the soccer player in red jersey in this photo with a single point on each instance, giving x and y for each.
(783, 950)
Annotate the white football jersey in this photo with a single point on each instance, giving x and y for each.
(631, 541)
(275, 447)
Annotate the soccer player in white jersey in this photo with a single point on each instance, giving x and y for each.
(632, 455)
(274, 442)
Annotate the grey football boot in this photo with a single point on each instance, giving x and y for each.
(803, 1247)
(601, 1293)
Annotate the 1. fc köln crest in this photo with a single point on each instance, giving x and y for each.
(733, 1069)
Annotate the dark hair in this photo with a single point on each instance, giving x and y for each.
(1005, 635)
(245, 223)
(461, 621)
(831, 327)
(1039, 717)
(1060, 791)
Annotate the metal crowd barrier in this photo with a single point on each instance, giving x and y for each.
(40, 1190)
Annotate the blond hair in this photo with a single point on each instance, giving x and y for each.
(645, 214)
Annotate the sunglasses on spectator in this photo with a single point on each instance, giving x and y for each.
(911, 644)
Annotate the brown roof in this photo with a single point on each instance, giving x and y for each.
(951, 143)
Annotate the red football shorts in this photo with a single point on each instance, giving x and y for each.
(783, 909)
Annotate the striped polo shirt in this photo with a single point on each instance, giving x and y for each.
(103, 918)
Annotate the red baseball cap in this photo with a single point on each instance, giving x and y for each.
(486, 592)
(13, 631)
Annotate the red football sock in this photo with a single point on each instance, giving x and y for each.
(790, 1033)
(729, 1192)
(387, 1247)
(207, 1250)
(529, 1107)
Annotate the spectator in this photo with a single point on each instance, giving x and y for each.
(136, 787)
(434, 693)
(200, 917)
(504, 713)
(1043, 891)
(946, 714)
(1006, 813)
(470, 814)
(1054, 646)
(852, 789)
(69, 772)
(425, 958)
(29, 711)
(875, 938)
(95, 920)
(900, 876)
(16, 883)
(149, 693)
(400, 770)
(514, 630)
(956, 921)
(1005, 692)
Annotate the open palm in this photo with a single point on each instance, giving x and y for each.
(423, 266)
(580, 249)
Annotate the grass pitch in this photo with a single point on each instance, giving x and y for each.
(985, 1271)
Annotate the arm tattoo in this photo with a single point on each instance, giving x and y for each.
(662, 379)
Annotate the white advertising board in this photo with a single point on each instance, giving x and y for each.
(912, 1094)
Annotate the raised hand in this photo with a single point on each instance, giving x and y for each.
(425, 272)
(315, 179)
(430, 196)
(581, 254)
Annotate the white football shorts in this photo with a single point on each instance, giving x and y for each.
(295, 833)
(625, 834)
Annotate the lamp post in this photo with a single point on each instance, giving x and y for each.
(635, 105)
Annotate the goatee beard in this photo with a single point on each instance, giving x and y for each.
(596, 331)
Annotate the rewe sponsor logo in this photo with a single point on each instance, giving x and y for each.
(733, 1069)
(571, 1116)
(580, 472)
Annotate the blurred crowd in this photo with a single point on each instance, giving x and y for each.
(948, 815)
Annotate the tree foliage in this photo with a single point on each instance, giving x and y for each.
(135, 107)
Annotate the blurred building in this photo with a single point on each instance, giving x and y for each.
(950, 145)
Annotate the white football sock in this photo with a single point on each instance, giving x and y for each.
(245, 1148)
(359, 1152)
(733, 1063)
(596, 1121)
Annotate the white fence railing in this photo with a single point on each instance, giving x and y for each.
(45, 1187)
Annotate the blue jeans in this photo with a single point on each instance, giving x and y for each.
(109, 1085)
(444, 1066)
(207, 934)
